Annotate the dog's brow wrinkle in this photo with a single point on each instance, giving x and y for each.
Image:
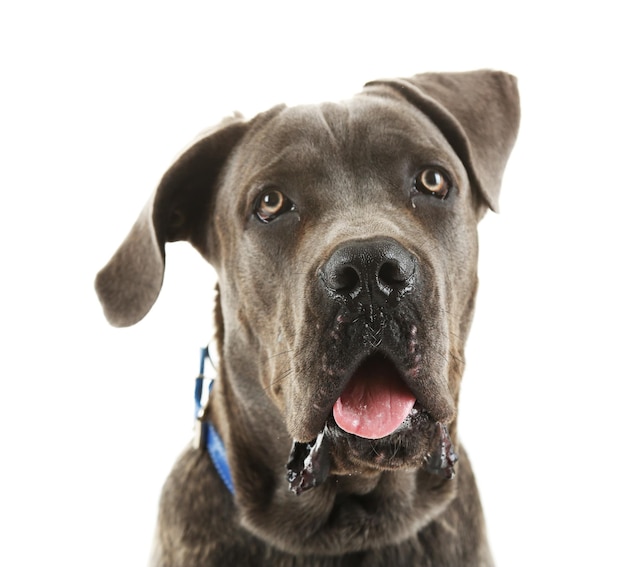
(328, 128)
(273, 160)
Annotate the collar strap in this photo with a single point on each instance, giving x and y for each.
(206, 434)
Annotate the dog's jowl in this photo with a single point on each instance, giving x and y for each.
(344, 240)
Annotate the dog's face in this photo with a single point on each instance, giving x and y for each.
(346, 246)
(344, 238)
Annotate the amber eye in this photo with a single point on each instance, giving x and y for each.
(270, 204)
(433, 182)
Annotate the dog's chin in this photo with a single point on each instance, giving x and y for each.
(418, 443)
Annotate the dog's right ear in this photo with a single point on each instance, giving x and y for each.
(129, 284)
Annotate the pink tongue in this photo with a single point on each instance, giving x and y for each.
(375, 402)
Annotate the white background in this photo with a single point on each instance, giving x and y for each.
(97, 99)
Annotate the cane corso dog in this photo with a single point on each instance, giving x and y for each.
(344, 237)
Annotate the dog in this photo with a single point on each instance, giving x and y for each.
(344, 238)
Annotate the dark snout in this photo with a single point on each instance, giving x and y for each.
(376, 272)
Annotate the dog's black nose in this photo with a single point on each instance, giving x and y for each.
(369, 271)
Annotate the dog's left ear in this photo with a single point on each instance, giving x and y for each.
(478, 112)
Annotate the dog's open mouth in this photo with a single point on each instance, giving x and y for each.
(375, 402)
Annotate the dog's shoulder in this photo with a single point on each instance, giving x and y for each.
(198, 520)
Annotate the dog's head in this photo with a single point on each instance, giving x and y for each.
(344, 239)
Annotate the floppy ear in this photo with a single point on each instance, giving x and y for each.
(178, 210)
(478, 113)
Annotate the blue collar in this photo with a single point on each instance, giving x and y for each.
(207, 436)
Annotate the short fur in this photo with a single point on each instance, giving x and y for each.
(289, 341)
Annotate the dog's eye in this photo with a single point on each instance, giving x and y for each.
(432, 181)
(270, 204)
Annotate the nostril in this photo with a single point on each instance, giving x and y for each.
(343, 279)
(393, 274)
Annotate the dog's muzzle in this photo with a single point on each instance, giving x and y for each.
(377, 416)
(369, 278)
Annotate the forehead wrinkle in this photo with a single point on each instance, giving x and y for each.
(273, 158)
(334, 116)
(298, 144)
(314, 126)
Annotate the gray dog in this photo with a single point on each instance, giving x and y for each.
(345, 244)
